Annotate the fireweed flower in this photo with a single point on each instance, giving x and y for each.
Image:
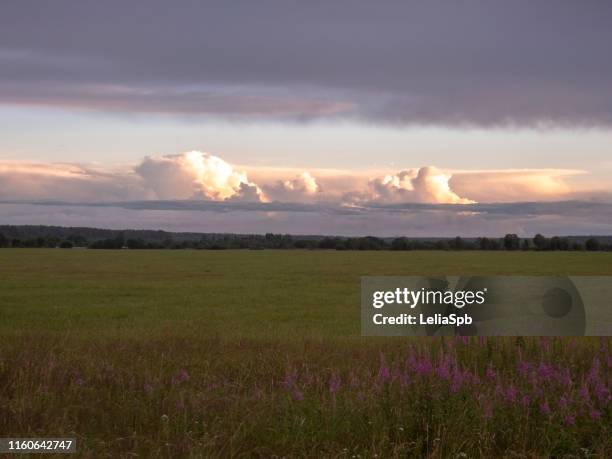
(458, 380)
(424, 367)
(593, 375)
(602, 393)
(443, 370)
(525, 401)
(565, 378)
(384, 372)
(584, 393)
(289, 380)
(334, 383)
(290, 384)
(511, 394)
(544, 407)
(546, 371)
(181, 377)
(523, 367)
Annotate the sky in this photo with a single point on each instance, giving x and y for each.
(337, 117)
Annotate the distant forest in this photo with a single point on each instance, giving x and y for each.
(92, 238)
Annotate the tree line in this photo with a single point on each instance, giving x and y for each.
(56, 237)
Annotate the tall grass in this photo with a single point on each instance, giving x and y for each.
(170, 396)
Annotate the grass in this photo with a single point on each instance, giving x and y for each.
(258, 353)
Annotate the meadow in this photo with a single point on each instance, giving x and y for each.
(258, 354)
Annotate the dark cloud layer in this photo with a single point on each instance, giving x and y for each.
(453, 63)
(413, 220)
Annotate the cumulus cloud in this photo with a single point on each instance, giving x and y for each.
(303, 187)
(201, 176)
(424, 185)
(195, 175)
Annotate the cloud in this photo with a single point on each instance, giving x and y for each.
(484, 63)
(28, 180)
(514, 185)
(201, 176)
(194, 175)
(424, 185)
(209, 100)
(411, 220)
(303, 187)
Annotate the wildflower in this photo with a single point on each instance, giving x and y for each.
(593, 375)
(511, 394)
(457, 380)
(569, 420)
(491, 374)
(334, 383)
(443, 369)
(523, 367)
(601, 392)
(148, 388)
(584, 393)
(546, 371)
(289, 380)
(181, 377)
(424, 367)
(384, 373)
(566, 378)
(595, 414)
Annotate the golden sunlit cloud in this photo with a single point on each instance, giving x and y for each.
(514, 185)
(424, 185)
(195, 174)
(201, 176)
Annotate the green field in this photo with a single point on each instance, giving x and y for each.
(228, 293)
(257, 353)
